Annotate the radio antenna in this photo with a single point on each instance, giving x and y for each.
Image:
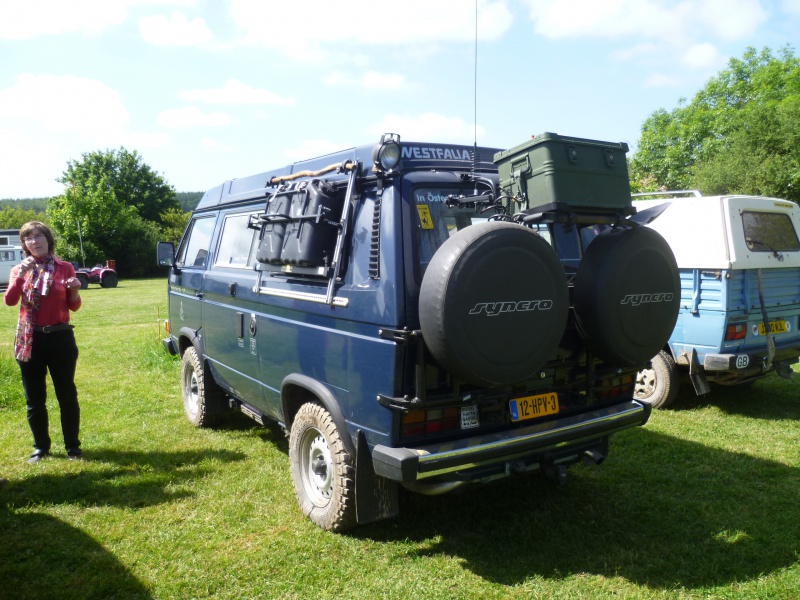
(475, 156)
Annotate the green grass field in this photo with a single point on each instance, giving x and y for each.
(703, 502)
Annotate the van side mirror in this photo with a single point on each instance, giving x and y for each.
(166, 254)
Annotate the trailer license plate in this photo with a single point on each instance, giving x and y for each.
(774, 327)
(531, 407)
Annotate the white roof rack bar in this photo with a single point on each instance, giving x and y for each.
(695, 193)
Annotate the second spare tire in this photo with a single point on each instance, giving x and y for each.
(627, 295)
(493, 303)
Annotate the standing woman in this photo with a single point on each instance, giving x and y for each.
(49, 290)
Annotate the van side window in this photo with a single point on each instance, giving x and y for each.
(236, 242)
(194, 250)
(769, 232)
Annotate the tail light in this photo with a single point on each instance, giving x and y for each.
(433, 420)
(735, 331)
(615, 387)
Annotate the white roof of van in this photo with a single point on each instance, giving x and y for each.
(706, 232)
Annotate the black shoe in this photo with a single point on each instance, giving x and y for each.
(74, 455)
(37, 456)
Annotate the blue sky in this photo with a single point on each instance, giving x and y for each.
(212, 90)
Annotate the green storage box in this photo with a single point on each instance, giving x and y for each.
(566, 173)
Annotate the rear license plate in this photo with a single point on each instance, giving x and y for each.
(774, 327)
(469, 416)
(531, 407)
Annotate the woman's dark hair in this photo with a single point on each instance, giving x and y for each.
(31, 228)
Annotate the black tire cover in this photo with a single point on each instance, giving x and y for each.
(493, 303)
(627, 295)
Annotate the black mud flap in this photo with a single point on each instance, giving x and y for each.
(376, 497)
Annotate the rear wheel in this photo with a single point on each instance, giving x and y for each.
(84, 279)
(322, 469)
(658, 385)
(202, 398)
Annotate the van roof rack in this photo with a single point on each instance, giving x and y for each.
(687, 193)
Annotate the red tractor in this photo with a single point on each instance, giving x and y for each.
(105, 275)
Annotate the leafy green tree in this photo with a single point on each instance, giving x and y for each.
(14, 217)
(111, 209)
(738, 134)
(173, 224)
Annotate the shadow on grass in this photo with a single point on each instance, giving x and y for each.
(771, 398)
(38, 550)
(661, 512)
(125, 479)
(35, 543)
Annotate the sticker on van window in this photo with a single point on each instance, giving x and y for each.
(425, 218)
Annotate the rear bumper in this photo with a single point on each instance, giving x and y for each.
(408, 465)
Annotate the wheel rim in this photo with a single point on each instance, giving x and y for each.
(317, 467)
(191, 394)
(645, 384)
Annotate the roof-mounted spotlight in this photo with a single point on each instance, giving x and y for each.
(386, 155)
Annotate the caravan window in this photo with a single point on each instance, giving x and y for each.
(769, 232)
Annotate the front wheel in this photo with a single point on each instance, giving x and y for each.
(322, 469)
(202, 398)
(658, 385)
(109, 280)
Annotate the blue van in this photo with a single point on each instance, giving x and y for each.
(739, 263)
(411, 320)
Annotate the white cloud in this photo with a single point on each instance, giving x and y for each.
(383, 81)
(29, 167)
(32, 18)
(175, 30)
(703, 56)
(306, 30)
(648, 19)
(190, 117)
(236, 92)
(427, 127)
(791, 6)
(371, 80)
(77, 105)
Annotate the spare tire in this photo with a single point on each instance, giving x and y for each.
(627, 295)
(493, 303)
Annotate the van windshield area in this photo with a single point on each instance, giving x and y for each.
(769, 232)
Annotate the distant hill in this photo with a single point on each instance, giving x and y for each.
(187, 200)
(36, 204)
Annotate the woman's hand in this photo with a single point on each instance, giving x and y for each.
(72, 282)
(26, 265)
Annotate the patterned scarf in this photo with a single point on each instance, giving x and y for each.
(37, 284)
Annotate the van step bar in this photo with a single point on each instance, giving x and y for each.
(247, 410)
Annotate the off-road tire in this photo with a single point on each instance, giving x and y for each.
(322, 469)
(493, 304)
(203, 399)
(109, 280)
(658, 385)
(84, 279)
